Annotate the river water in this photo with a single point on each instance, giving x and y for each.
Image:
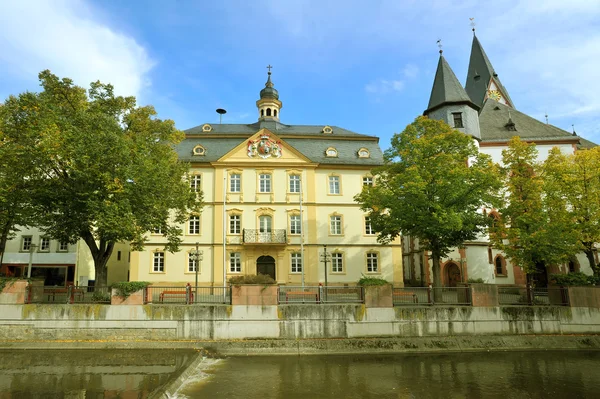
(135, 374)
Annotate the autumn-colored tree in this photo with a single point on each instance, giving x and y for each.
(105, 169)
(576, 179)
(433, 187)
(534, 229)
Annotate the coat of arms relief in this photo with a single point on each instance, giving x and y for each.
(264, 147)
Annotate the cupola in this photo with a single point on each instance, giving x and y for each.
(269, 105)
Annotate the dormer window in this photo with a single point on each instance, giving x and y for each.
(327, 130)
(206, 128)
(458, 121)
(199, 150)
(363, 153)
(331, 152)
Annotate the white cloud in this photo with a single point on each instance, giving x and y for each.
(410, 71)
(67, 38)
(383, 86)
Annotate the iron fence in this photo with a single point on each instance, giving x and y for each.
(69, 294)
(530, 296)
(320, 294)
(255, 236)
(187, 295)
(456, 296)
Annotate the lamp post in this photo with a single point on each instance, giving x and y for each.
(31, 251)
(196, 256)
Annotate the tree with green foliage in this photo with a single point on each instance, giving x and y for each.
(433, 187)
(576, 179)
(534, 230)
(106, 169)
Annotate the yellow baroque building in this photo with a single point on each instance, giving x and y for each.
(276, 197)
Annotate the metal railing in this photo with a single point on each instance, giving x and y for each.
(187, 295)
(70, 294)
(255, 236)
(320, 294)
(455, 296)
(530, 296)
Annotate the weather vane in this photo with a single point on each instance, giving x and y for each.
(472, 24)
(439, 44)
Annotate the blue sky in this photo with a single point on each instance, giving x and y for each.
(366, 66)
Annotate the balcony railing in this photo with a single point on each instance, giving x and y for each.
(255, 236)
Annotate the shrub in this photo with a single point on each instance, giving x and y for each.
(100, 297)
(126, 288)
(252, 279)
(371, 281)
(475, 281)
(577, 278)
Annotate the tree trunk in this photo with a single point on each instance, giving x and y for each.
(589, 254)
(437, 277)
(4, 240)
(100, 253)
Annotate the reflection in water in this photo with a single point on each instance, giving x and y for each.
(472, 375)
(88, 373)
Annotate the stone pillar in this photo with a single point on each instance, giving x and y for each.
(136, 298)
(378, 296)
(14, 292)
(484, 295)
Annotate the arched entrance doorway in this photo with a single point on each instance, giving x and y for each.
(266, 265)
(453, 274)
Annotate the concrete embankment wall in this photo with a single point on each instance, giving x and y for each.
(33, 322)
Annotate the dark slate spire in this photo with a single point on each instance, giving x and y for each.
(269, 91)
(447, 89)
(481, 73)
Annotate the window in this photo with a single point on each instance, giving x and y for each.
(235, 222)
(235, 262)
(159, 262)
(195, 183)
(335, 225)
(337, 265)
(235, 185)
(26, 243)
(295, 224)
(192, 263)
(572, 267)
(458, 121)
(500, 265)
(334, 184)
(297, 262)
(368, 227)
(264, 224)
(294, 183)
(63, 246)
(363, 153)
(372, 262)
(264, 183)
(44, 244)
(367, 181)
(194, 225)
(331, 152)
(118, 255)
(157, 230)
(268, 111)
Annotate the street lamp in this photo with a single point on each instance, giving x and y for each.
(197, 256)
(325, 257)
(31, 251)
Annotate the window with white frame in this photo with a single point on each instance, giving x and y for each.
(192, 263)
(26, 243)
(44, 244)
(235, 183)
(195, 183)
(264, 223)
(337, 262)
(157, 230)
(372, 262)
(264, 183)
(158, 264)
(235, 262)
(335, 225)
(294, 183)
(367, 181)
(369, 227)
(295, 224)
(334, 184)
(194, 225)
(63, 246)
(296, 262)
(235, 224)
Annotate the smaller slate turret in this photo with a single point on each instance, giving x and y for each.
(269, 105)
(450, 102)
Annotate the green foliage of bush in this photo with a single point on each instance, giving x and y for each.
(475, 280)
(577, 279)
(252, 279)
(126, 288)
(372, 281)
(100, 297)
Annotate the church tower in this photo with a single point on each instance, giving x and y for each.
(482, 80)
(269, 104)
(449, 102)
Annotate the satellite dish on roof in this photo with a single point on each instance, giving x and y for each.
(221, 111)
